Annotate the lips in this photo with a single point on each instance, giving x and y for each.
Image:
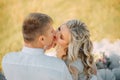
(54, 38)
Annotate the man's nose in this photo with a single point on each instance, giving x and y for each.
(56, 35)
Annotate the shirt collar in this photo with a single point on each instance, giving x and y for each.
(32, 51)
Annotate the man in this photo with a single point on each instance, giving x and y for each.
(31, 63)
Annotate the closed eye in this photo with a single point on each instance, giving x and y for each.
(61, 36)
(59, 29)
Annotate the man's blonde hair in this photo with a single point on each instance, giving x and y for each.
(35, 24)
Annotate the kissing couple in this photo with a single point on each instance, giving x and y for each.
(73, 61)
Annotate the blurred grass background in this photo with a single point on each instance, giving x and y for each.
(101, 16)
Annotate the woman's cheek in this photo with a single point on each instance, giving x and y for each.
(62, 42)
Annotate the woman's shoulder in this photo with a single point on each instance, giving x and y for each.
(78, 64)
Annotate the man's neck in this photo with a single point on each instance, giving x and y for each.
(32, 45)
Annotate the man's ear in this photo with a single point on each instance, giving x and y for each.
(41, 39)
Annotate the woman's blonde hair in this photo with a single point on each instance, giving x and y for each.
(80, 45)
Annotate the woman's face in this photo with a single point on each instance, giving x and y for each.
(63, 36)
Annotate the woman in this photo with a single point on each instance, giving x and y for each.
(74, 47)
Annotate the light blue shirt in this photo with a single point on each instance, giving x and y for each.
(32, 64)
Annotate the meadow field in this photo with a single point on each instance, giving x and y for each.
(101, 16)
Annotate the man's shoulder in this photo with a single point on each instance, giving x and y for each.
(54, 61)
(10, 56)
(18, 58)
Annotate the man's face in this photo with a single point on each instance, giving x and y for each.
(49, 37)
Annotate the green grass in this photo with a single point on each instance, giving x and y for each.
(101, 16)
